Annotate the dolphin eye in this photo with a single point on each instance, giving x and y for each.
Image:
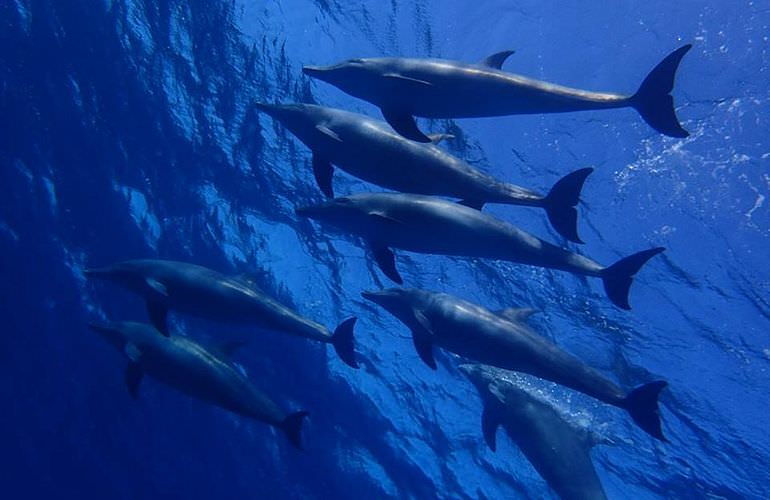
(344, 201)
(356, 61)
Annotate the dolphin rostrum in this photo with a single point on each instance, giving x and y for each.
(370, 150)
(425, 224)
(504, 340)
(196, 371)
(202, 292)
(558, 449)
(435, 88)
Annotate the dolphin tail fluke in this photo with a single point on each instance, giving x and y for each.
(619, 276)
(653, 99)
(343, 343)
(642, 405)
(292, 427)
(561, 201)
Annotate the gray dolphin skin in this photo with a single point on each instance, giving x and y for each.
(504, 340)
(434, 88)
(558, 450)
(202, 292)
(372, 151)
(425, 224)
(192, 369)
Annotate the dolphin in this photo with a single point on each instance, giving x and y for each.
(202, 292)
(370, 150)
(196, 371)
(435, 88)
(504, 340)
(425, 224)
(557, 449)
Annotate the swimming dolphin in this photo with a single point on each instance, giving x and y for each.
(192, 369)
(370, 150)
(557, 449)
(425, 224)
(504, 340)
(205, 293)
(435, 88)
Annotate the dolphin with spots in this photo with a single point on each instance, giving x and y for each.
(198, 291)
(503, 339)
(435, 88)
(372, 151)
(189, 367)
(558, 449)
(430, 225)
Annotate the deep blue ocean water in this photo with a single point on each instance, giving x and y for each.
(127, 130)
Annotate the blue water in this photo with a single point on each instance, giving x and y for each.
(126, 130)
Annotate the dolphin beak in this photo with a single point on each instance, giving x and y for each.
(368, 295)
(313, 71)
(264, 106)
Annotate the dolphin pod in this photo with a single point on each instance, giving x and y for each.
(504, 340)
(202, 292)
(425, 224)
(397, 155)
(196, 371)
(372, 151)
(435, 88)
(556, 448)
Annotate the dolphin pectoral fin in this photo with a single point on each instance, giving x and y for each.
(328, 132)
(386, 261)
(422, 336)
(133, 377)
(474, 204)
(407, 79)
(437, 138)
(424, 346)
(495, 61)
(516, 313)
(323, 172)
(158, 313)
(404, 124)
(490, 420)
(157, 286)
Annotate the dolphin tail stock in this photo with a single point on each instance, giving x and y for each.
(642, 405)
(292, 427)
(343, 343)
(653, 99)
(618, 277)
(561, 201)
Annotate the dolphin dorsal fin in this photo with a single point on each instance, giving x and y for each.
(516, 313)
(495, 61)
(328, 132)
